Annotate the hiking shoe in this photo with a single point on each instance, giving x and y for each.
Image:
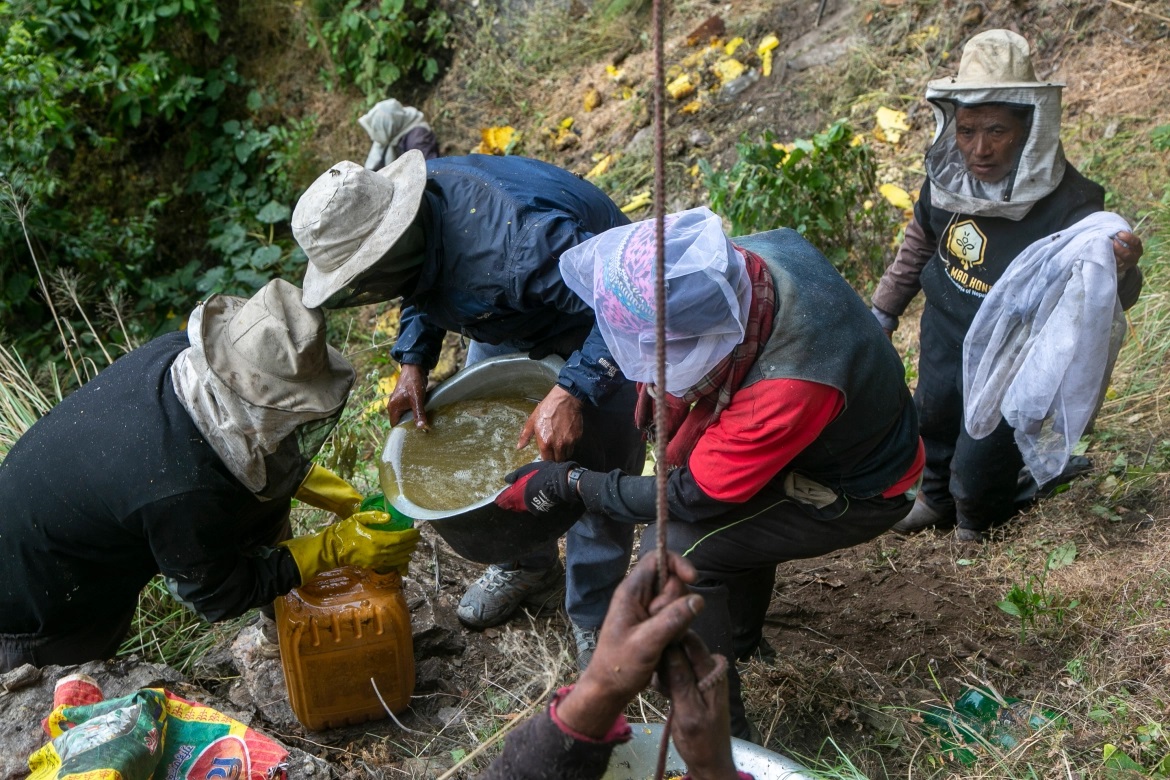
(923, 516)
(499, 592)
(586, 639)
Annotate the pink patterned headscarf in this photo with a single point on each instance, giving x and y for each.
(708, 295)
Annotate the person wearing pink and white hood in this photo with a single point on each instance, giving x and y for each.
(792, 433)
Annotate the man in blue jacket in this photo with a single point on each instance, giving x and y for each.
(472, 244)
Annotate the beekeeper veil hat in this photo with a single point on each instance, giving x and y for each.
(708, 295)
(351, 218)
(996, 67)
(262, 385)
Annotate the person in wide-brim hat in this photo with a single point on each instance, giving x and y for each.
(478, 256)
(181, 458)
(350, 219)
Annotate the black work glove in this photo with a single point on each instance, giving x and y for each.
(539, 487)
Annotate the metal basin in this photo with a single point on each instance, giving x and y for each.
(481, 531)
(638, 758)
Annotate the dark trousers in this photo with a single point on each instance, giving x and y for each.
(92, 641)
(976, 480)
(99, 638)
(421, 138)
(736, 556)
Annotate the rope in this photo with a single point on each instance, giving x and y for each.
(660, 423)
(660, 429)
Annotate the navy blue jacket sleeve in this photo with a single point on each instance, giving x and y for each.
(419, 341)
(590, 373)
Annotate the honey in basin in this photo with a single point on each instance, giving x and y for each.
(463, 458)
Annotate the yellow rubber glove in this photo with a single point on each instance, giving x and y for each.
(325, 490)
(351, 542)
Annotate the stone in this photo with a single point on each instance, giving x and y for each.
(822, 55)
(700, 138)
(302, 765)
(642, 144)
(451, 716)
(216, 665)
(20, 677)
(432, 766)
(434, 628)
(261, 686)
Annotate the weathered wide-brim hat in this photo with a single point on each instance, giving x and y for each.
(270, 350)
(351, 216)
(995, 59)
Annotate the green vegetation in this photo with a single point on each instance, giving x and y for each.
(825, 187)
(1034, 600)
(165, 632)
(137, 155)
(375, 45)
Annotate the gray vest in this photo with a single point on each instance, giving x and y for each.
(822, 332)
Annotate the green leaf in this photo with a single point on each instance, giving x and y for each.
(1062, 556)
(1160, 135)
(266, 256)
(1115, 759)
(1010, 607)
(255, 101)
(244, 150)
(273, 212)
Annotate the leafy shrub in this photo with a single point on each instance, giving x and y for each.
(245, 185)
(374, 45)
(824, 187)
(136, 156)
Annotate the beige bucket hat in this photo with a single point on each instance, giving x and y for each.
(351, 216)
(270, 350)
(995, 59)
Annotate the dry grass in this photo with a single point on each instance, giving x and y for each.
(22, 400)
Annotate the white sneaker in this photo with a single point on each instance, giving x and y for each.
(586, 639)
(500, 592)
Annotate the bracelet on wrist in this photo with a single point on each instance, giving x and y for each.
(574, 480)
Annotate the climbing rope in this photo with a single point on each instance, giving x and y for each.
(660, 431)
(659, 391)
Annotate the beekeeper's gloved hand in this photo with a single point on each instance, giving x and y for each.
(325, 490)
(540, 487)
(352, 542)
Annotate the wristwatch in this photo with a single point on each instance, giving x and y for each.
(574, 480)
